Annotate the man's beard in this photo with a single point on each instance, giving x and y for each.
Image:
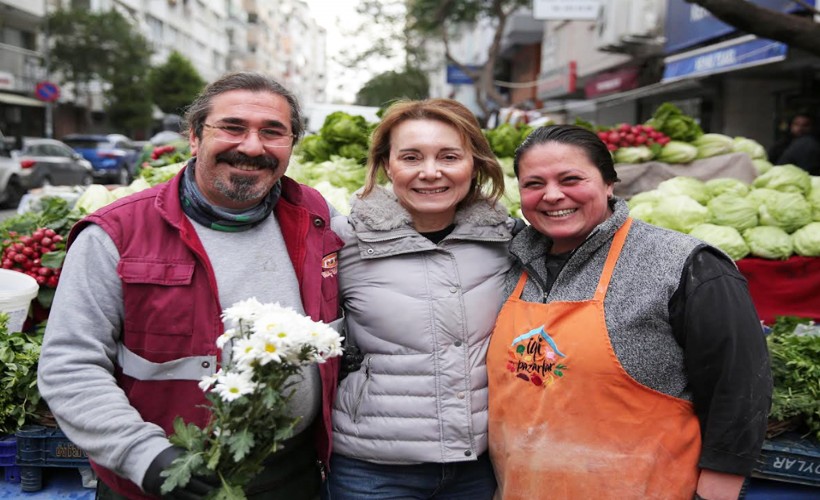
(242, 188)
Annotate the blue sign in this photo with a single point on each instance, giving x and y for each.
(688, 24)
(735, 54)
(457, 77)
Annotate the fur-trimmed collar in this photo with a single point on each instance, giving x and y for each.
(381, 211)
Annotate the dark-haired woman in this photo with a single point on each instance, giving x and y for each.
(628, 360)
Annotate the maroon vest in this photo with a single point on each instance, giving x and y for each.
(171, 302)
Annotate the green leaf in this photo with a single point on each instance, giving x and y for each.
(53, 260)
(216, 454)
(45, 296)
(240, 444)
(187, 436)
(230, 492)
(180, 471)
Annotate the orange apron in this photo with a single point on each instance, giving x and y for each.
(567, 421)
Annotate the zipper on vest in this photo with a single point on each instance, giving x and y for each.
(360, 395)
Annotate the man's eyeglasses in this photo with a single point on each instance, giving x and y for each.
(234, 134)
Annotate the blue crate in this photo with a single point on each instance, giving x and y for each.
(12, 474)
(8, 450)
(790, 458)
(48, 447)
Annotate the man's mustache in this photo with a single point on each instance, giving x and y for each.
(237, 158)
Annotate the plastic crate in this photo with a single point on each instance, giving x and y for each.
(8, 450)
(48, 447)
(790, 458)
(39, 447)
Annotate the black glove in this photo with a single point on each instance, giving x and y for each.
(197, 488)
(352, 359)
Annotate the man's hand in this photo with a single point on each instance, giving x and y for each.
(197, 488)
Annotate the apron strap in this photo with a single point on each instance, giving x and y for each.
(519, 287)
(611, 259)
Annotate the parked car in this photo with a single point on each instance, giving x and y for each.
(11, 187)
(113, 156)
(50, 162)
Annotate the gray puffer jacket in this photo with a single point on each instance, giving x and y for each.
(422, 314)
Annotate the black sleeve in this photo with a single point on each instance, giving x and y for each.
(726, 359)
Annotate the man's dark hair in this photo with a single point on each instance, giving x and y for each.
(255, 82)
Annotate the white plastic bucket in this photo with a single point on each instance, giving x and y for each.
(16, 292)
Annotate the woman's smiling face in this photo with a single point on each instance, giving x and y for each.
(431, 170)
(563, 194)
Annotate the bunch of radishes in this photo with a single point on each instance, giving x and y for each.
(626, 135)
(24, 254)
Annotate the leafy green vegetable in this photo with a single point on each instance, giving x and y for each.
(786, 178)
(752, 148)
(636, 154)
(505, 138)
(807, 240)
(680, 213)
(732, 210)
(762, 166)
(788, 211)
(713, 145)
(677, 152)
(769, 242)
(795, 363)
(689, 186)
(670, 120)
(723, 185)
(725, 238)
(19, 397)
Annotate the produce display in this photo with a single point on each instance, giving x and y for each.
(794, 348)
(775, 217)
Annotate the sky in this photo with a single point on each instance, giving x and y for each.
(343, 25)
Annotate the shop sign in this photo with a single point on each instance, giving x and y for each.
(612, 82)
(566, 10)
(557, 82)
(688, 24)
(734, 54)
(455, 76)
(6, 80)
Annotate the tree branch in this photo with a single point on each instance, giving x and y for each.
(795, 31)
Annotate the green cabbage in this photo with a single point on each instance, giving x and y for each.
(788, 211)
(734, 211)
(762, 166)
(689, 186)
(727, 239)
(642, 211)
(768, 242)
(505, 138)
(93, 198)
(723, 185)
(314, 148)
(636, 154)
(787, 178)
(652, 197)
(814, 197)
(807, 240)
(680, 213)
(713, 145)
(758, 196)
(677, 152)
(750, 147)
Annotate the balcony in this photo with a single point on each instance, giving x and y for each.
(24, 66)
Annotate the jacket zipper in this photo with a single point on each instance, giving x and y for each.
(360, 395)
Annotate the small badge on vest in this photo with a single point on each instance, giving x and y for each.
(329, 265)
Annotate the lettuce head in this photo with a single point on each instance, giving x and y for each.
(680, 213)
(689, 186)
(807, 240)
(788, 211)
(725, 238)
(732, 210)
(786, 178)
(769, 242)
(723, 185)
